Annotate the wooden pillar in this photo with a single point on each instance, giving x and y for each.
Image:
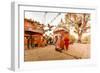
(28, 42)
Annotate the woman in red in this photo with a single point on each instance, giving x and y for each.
(66, 40)
(59, 46)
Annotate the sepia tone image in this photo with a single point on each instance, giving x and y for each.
(56, 36)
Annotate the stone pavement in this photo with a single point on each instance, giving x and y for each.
(75, 51)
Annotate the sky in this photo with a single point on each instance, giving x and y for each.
(45, 18)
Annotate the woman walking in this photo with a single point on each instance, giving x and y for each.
(66, 41)
(59, 46)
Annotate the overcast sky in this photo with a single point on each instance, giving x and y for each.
(45, 18)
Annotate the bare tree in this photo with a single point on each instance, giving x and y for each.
(79, 21)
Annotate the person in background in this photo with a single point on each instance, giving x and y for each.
(66, 40)
(59, 46)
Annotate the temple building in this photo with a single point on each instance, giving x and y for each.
(33, 34)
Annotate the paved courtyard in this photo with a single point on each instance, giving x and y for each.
(75, 51)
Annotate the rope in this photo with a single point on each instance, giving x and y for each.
(54, 18)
